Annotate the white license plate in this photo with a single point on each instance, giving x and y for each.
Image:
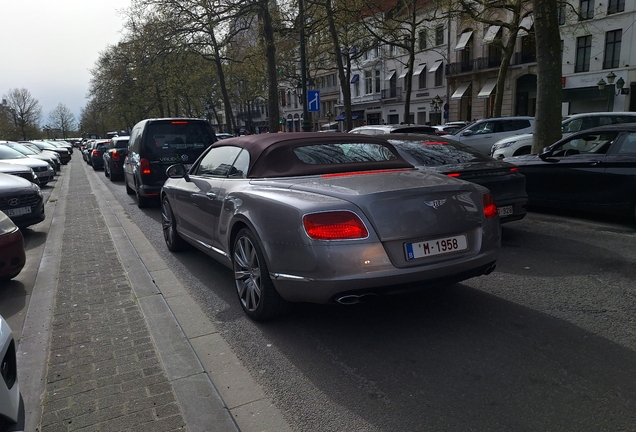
(505, 210)
(18, 211)
(436, 247)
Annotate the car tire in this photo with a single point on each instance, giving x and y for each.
(174, 242)
(258, 296)
(129, 190)
(142, 201)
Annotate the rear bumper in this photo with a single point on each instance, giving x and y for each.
(374, 273)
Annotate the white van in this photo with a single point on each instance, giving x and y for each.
(522, 144)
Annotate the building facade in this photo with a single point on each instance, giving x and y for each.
(457, 63)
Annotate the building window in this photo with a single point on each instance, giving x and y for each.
(368, 82)
(612, 49)
(439, 35)
(377, 81)
(583, 48)
(586, 10)
(422, 39)
(615, 6)
(422, 79)
(561, 12)
(439, 75)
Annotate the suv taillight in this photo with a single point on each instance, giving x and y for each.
(144, 166)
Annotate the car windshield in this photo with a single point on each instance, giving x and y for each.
(22, 149)
(121, 144)
(436, 153)
(330, 154)
(9, 153)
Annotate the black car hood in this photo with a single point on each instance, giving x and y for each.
(12, 184)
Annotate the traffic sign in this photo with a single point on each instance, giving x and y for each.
(313, 100)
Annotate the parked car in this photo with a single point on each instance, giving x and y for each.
(96, 156)
(154, 145)
(49, 153)
(65, 155)
(315, 217)
(42, 169)
(23, 171)
(21, 200)
(592, 171)
(387, 129)
(86, 150)
(454, 159)
(114, 157)
(62, 144)
(12, 253)
(12, 413)
(522, 144)
(28, 152)
(482, 134)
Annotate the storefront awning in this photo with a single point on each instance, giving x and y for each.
(354, 115)
(461, 90)
(435, 66)
(491, 34)
(390, 75)
(463, 40)
(487, 89)
(526, 23)
(419, 69)
(355, 78)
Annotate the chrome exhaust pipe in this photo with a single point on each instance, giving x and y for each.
(352, 299)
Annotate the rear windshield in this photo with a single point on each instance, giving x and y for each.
(121, 144)
(329, 154)
(177, 141)
(436, 153)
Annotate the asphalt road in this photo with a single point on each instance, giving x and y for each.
(546, 342)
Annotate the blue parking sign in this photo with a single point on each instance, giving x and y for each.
(313, 100)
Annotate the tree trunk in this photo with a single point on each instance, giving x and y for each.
(547, 127)
(272, 72)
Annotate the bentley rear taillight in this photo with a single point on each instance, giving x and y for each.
(490, 208)
(336, 225)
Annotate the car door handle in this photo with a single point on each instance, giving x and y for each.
(208, 195)
(595, 162)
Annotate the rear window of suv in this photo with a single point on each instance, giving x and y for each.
(177, 141)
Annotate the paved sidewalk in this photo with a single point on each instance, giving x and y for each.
(117, 358)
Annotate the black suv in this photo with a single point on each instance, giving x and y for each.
(96, 155)
(114, 157)
(154, 145)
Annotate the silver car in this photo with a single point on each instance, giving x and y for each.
(314, 217)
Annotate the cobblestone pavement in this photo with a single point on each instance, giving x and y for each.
(104, 372)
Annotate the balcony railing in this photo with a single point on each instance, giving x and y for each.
(483, 63)
(391, 93)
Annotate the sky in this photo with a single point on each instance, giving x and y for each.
(49, 47)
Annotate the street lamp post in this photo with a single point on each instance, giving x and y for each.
(306, 127)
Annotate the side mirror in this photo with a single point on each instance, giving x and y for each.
(467, 133)
(545, 153)
(177, 171)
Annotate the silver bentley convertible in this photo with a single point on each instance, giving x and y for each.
(313, 217)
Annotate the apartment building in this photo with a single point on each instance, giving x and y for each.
(457, 64)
